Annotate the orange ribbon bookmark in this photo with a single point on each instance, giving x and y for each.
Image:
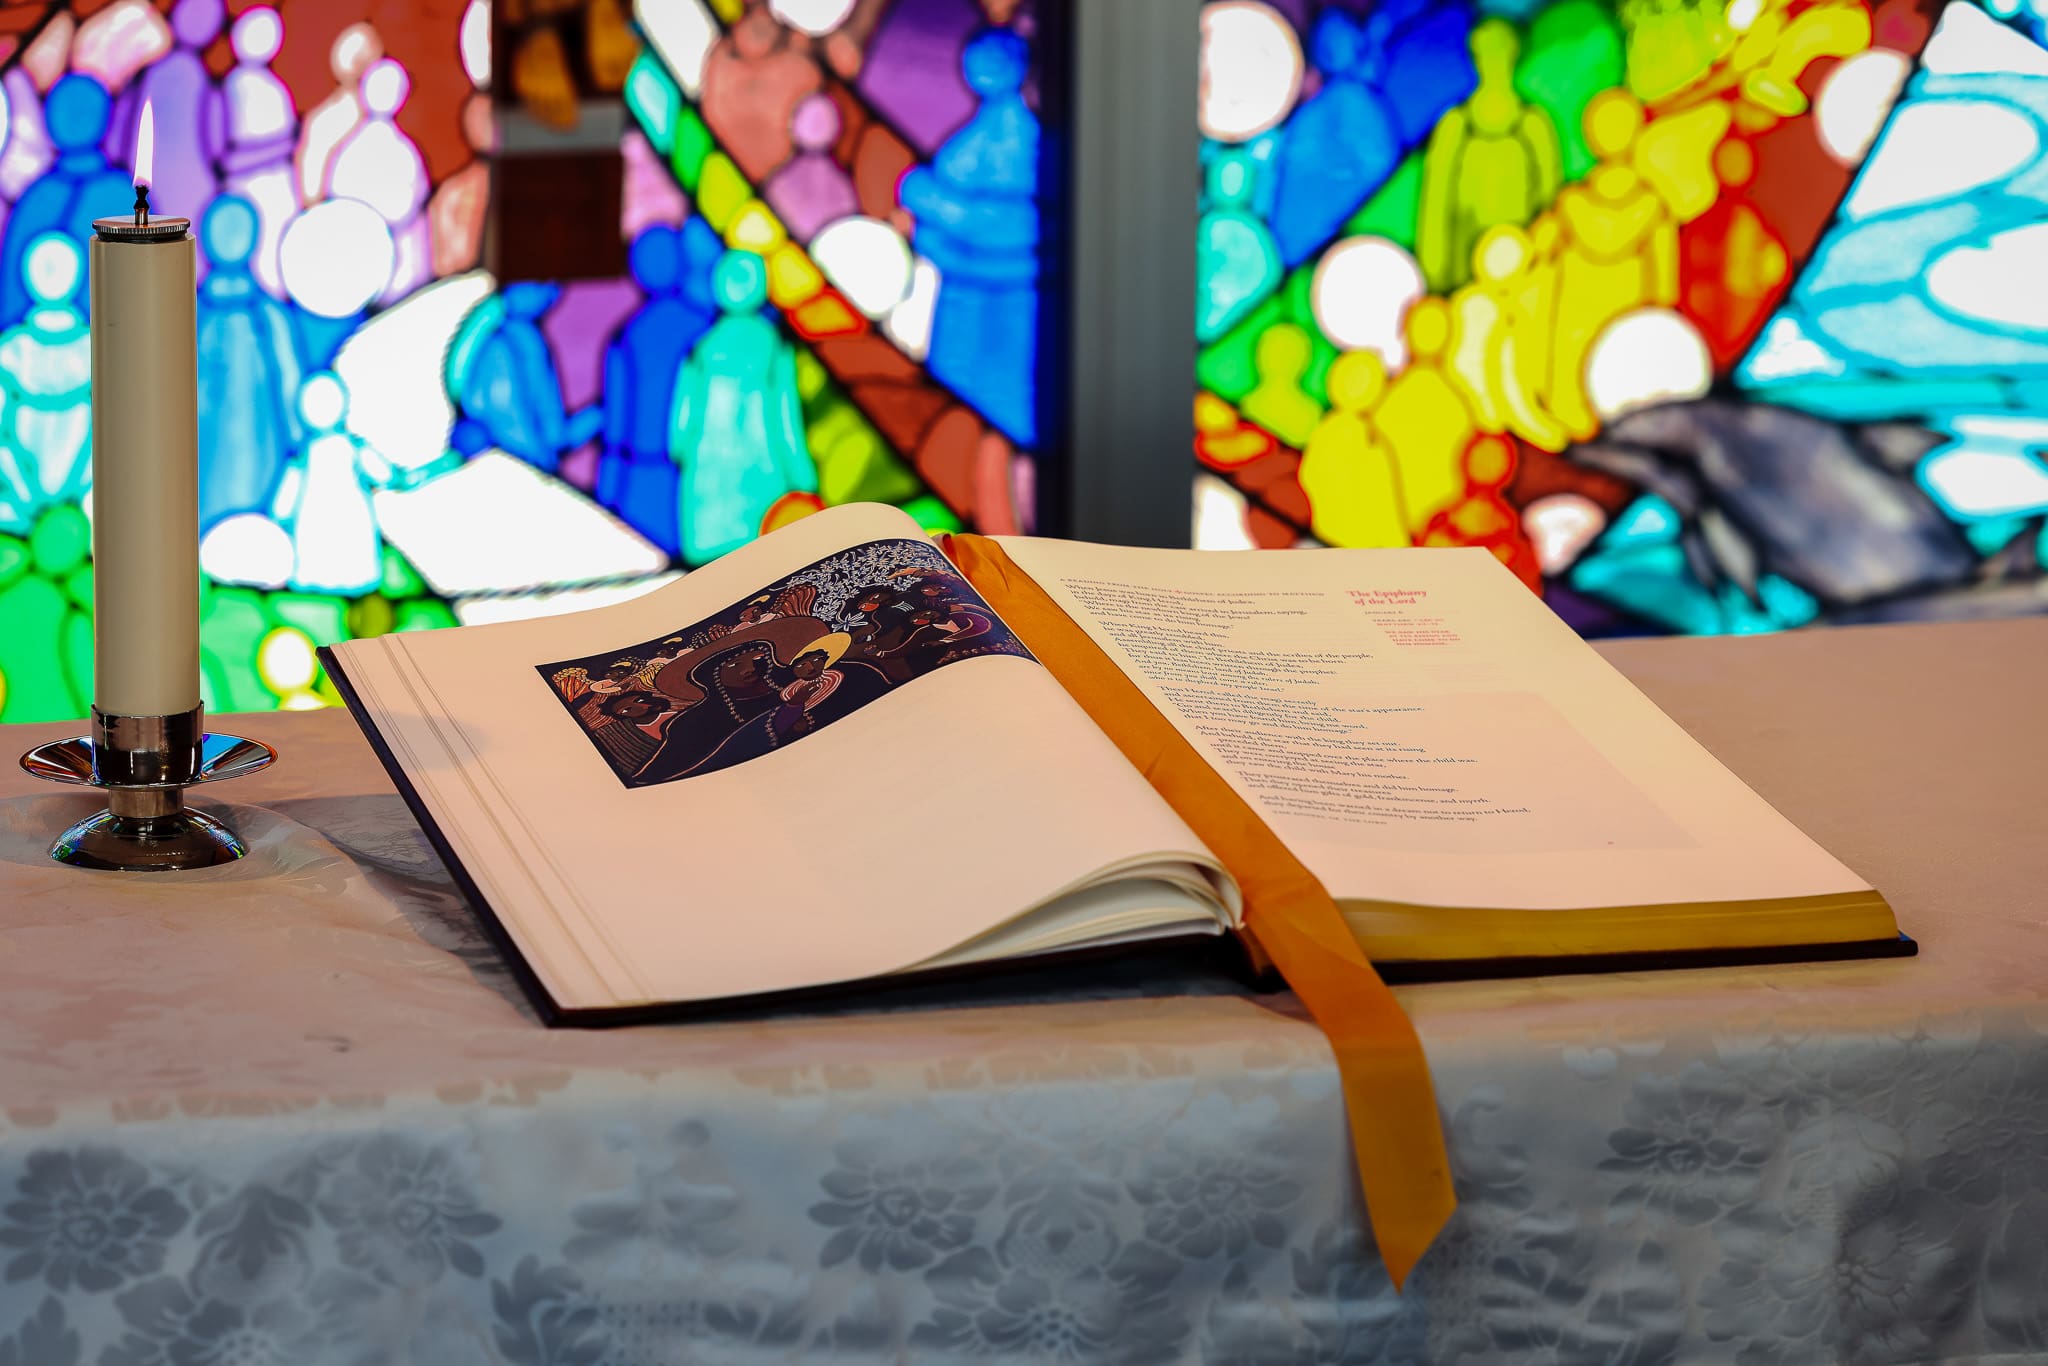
(1396, 1134)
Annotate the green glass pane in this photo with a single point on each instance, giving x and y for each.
(232, 628)
(77, 662)
(692, 145)
(1316, 381)
(369, 617)
(721, 191)
(1298, 295)
(1227, 367)
(1573, 51)
(854, 464)
(323, 619)
(13, 559)
(1672, 43)
(1391, 212)
(38, 686)
(1299, 298)
(421, 614)
(811, 377)
(400, 579)
(932, 515)
(61, 541)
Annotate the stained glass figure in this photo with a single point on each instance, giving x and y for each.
(1491, 160)
(455, 213)
(355, 49)
(249, 369)
(754, 79)
(27, 152)
(812, 189)
(636, 474)
(377, 164)
(503, 377)
(1732, 263)
(1421, 52)
(259, 130)
(1500, 329)
(188, 130)
(977, 222)
(1346, 139)
(77, 188)
(1425, 417)
(1619, 251)
(1237, 261)
(1279, 402)
(1573, 52)
(1348, 469)
(1339, 146)
(737, 436)
(325, 499)
(1481, 515)
(46, 376)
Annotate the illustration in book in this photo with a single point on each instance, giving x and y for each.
(788, 660)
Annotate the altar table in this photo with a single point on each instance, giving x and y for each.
(294, 1111)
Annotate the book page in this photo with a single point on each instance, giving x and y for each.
(819, 759)
(1419, 728)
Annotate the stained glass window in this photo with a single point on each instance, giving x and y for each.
(1702, 316)
(832, 216)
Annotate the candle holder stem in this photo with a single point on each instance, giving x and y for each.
(144, 764)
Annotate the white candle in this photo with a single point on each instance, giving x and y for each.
(145, 461)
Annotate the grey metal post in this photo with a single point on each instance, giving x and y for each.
(1124, 149)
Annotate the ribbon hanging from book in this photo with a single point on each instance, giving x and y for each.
(1397, 1137)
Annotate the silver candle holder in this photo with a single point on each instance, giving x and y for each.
(144, 764)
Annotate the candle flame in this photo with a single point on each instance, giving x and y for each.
(145, 147)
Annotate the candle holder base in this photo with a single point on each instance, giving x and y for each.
(189, 839)
(144, 764)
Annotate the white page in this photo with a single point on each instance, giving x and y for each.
(1419, 728)
(933, 813)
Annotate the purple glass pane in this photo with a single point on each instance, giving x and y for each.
(912, 72)
(577, 329)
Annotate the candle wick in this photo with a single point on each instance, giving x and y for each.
(142, 206)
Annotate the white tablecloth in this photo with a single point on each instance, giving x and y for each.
(293, 1110)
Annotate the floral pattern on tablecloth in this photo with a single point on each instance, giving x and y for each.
(1811, 1202)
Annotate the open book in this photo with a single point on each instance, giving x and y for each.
(835, 756)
